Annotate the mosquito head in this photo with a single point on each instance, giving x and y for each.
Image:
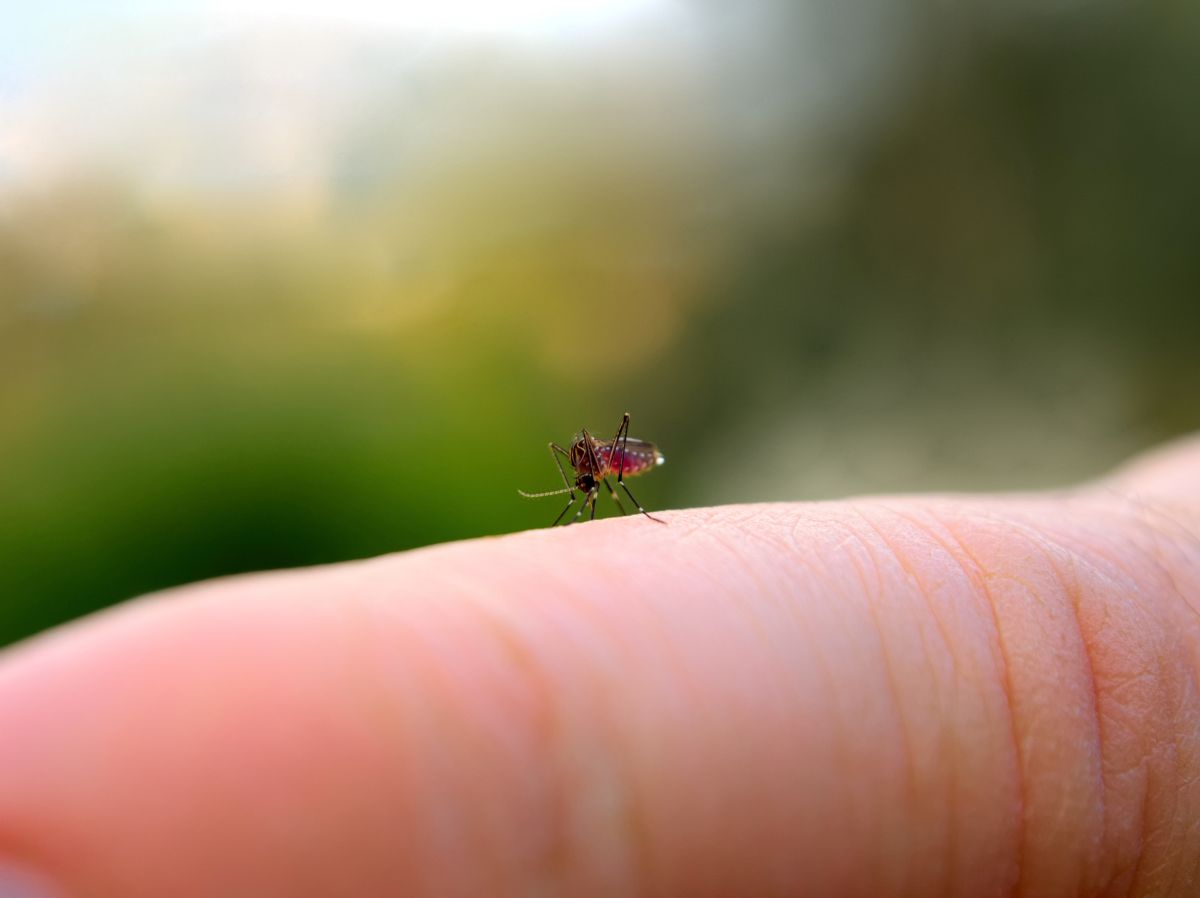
(585, 483)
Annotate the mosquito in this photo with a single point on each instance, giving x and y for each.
(594, 461)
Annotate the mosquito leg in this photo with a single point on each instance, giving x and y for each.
(621, 439)
(623, 436)
(570, 502)
(592, 502)
(591, 450)
(637, 503)
(613, 493)
(555, 451)
(617, 455)
(582, 506)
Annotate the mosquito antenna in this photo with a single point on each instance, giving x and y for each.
(565, 489)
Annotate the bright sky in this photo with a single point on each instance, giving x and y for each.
(76, 66)
(513, 16)
(32, 28)
(40, 40)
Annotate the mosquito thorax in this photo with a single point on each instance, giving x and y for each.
(579, 454)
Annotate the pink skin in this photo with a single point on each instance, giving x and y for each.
(885, 697)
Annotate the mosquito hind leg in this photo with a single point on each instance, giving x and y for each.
(622, 435)
(618, 450)
(634, 500)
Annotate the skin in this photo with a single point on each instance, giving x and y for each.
(880, 697)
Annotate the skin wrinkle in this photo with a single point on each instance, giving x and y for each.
(791, 608)
(828, 680)
(1159, 810)
(831, 685)
(1195, 877)
(1151, 522)
(1172, 527)
(579, 616)
(655, 630)
(439, 711)
(1170, 814)
(1045, 600)
(871, 596)
(748, 570)
(1149, 517)
(778, 662)
(927, 654)
(952, 555)
(911, 520)
(553, 861)
(770, 565)
(636, 837)
(915, 581)
(922, 527)
(1130, 871)
(1188, 780)
(816, 650)
(980, 577)
(1074, 593)
(1073, 590)
(1166, 819)
(1151, 822)
(833, 576)
(1147, 823)
(861, 816)
(639, 832)
(1158, 554)
(542, 724)
(659, 631)
(381, 707)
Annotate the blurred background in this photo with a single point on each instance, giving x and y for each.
(293, 282)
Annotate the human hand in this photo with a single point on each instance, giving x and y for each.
(896, 696)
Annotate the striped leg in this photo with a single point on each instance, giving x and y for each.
(614, 495)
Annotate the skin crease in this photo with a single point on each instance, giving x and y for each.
(882, 697)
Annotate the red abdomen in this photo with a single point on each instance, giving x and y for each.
(634, 456)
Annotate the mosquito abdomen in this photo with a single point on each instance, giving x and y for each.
(635, 457)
